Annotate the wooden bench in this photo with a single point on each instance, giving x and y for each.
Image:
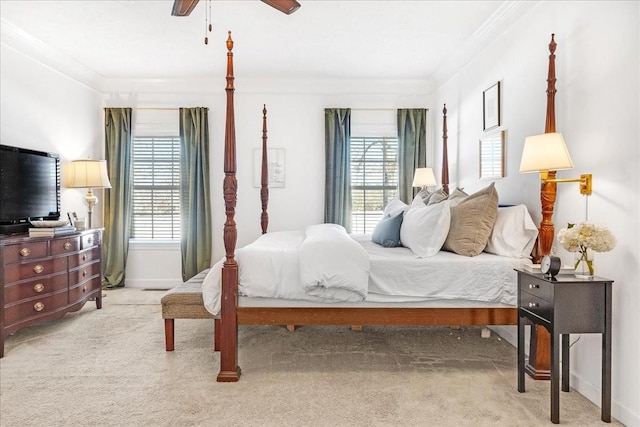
(185, 302)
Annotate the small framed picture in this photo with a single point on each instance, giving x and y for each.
(276, 166)
(72, 218)
(491, 107)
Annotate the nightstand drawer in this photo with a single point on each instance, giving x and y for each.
(538, 306)
(539, 288)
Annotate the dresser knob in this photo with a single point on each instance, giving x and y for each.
(84, 273)
(90, 240)
(38, 269)
(84, 289)
(25, 252)
(38, 287)
(533, 304)
(67, 246)
(38, 306)
(532, 286)
(84, 257)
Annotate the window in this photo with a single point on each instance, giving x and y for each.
(156, 187)
(374, 179)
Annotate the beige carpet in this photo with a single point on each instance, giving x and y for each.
(108, 368)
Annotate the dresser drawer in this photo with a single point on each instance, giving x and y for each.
(24, 252)
(91, 240)
(35, 307)
(84, 272)
(31, 270)
(41, 286)
(537, 287)
(84, 257)
(64, 245)
(82, 290)
(538, 306)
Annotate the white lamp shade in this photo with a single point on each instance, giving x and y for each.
(424, 177)
(545, 152)
(87, 174)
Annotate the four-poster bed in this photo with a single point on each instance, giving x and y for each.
(233, 314)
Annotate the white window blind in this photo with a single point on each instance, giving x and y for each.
(156, 187)
(374, 179)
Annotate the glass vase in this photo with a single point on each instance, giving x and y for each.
(584, 266)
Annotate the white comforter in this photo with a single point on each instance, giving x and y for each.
(321, 263)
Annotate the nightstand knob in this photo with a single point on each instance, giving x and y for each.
(25, 252)
(532, 286)
(533, 304)
(38, 287)
(38, 306)
(38, 269)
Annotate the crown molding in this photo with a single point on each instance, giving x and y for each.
(496, 24)
(39, 51)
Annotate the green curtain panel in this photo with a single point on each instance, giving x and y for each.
(195, 206)
(337, 193)
(117, 204)
(412, 149)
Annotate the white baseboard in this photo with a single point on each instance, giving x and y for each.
(152, 284)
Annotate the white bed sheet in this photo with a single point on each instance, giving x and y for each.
(270, 270)
(397, 275)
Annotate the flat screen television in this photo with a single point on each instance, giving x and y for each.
(29, 188)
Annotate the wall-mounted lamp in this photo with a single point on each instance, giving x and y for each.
(548, 152)
(423, 177)
(88, 174)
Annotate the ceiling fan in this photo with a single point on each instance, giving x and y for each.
(184, 7)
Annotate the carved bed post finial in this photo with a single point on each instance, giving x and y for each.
(229, 369)
(445, 157)
(264, 183)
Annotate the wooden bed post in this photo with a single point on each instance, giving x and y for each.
(539, 364)
(445, 157)
(264, 180)
(229, 369)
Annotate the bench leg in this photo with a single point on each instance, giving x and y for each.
(168, 334)
(216, 334)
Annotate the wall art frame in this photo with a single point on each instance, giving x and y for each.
(491, 107)
(492, 163)
(276, 165)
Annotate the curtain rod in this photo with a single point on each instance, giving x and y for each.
(157, 108)
(380, 109)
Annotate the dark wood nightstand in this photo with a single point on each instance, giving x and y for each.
(565, 305)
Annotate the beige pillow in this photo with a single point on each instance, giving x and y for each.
(472, 220)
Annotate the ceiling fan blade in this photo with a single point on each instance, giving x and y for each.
(284, 6)
(183, 7)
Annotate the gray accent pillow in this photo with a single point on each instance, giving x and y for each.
(387, 231)
(472, 220)
(435, 197)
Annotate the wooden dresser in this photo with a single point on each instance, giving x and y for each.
(42, 278)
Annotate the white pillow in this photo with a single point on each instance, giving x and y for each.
(394, 207)
(425, 228)
(514, 233)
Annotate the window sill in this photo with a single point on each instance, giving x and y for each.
(143, 244)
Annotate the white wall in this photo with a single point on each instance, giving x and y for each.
(46, 110)
(597, 110)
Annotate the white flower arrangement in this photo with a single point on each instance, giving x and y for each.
(578, 237)
(585, 235)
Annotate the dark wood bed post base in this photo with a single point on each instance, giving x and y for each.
(229, 369)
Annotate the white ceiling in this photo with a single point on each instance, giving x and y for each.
(323, 39)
